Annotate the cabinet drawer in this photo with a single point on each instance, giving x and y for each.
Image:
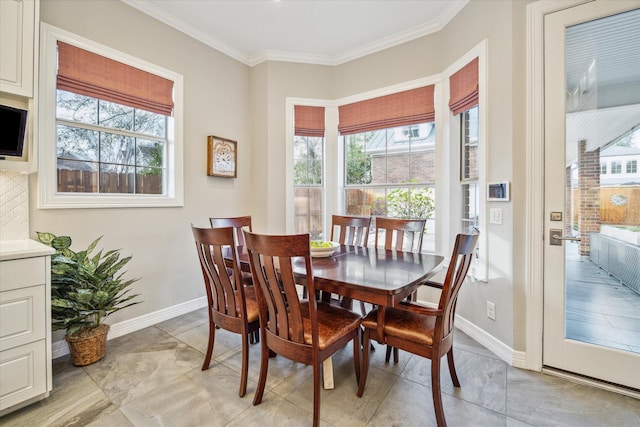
(22, 316)
(20, 273)
(23, 373)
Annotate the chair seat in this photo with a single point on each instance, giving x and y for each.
(403, 324)
(333, 323)
(253, 311)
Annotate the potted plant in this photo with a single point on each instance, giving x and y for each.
(85, 289)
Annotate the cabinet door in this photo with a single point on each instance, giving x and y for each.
(17, 41)
(23, 373)
(22, 316)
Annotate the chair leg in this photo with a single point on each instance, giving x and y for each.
(316, 393)
(452, 368)
(388, 355)
(364, 365)
(356, 355)
(245, 363)
(212, 337)
(264, 366)
(437, 394)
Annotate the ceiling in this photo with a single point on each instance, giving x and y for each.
(327, 32)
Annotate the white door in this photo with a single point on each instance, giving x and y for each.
(592, 106)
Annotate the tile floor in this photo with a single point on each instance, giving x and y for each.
(152, 378)
(600, 310)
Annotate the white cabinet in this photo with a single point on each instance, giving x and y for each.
(18, 42)
(25, 323)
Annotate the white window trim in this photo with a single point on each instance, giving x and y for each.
(49, 197)
(449, 199)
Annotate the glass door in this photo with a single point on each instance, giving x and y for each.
(592, 191)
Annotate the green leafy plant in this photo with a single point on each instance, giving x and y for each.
(85, 288)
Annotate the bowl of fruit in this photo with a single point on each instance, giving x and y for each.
(322, 249)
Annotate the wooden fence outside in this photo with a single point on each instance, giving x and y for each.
(78, 181)
(618, 205)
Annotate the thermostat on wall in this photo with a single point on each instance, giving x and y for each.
(498, 191)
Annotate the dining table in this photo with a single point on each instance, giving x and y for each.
(374, 275)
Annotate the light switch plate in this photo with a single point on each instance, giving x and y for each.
(495, 216)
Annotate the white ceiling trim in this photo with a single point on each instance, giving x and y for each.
(166, 18)
(407, 35)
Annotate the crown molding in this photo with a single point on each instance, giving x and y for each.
(405, 36)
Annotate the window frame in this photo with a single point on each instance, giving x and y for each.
(616, 167)
(49, 197)
(451, 125)
(631, 167)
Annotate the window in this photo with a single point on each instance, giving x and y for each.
(308, 169)
(384, 177)
(632, 166)
(603, 168)
(389, 157)
(616, 167)
(469, 173)
(105, 144)
(307, 182)
(468, 135)
(105, 147)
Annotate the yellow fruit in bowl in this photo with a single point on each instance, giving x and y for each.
(320, 244)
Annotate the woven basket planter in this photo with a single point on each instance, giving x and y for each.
(89, 346)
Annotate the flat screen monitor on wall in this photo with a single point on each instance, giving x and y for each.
(13, 125)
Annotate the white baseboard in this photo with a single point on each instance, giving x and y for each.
(60, 348)
(494, 345)
(517, 359)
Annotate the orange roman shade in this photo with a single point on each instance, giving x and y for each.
(309, 121)
(398, 109)
(90, 74)
(463, 88)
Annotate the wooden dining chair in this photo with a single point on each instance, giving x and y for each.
(401, 235)
(239, 224)
(232, 306)
(350, 230)
(306, 331)
(354, 231)
(421, 330)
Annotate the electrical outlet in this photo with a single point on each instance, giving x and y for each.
(491, 310)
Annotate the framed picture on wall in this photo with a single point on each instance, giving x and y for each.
(222, 157)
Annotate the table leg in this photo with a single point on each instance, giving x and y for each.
(327, 373)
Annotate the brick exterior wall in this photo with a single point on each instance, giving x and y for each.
(589, 195)
(422, 164)
(568, 202)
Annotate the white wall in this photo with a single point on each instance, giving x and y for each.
(216, 102)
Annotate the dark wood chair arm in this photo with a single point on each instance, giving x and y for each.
(433, 284)
(420, 309)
